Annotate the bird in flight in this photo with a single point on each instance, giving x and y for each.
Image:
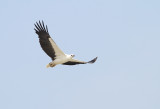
(52, 50)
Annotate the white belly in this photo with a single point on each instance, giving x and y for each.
(60, 61)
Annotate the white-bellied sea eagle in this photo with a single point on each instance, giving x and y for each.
(52, 50)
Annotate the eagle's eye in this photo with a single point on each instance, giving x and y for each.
(72, 55)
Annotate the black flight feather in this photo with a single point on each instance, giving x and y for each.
(44, 39)
(75, 63)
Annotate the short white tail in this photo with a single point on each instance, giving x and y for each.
(47, 65)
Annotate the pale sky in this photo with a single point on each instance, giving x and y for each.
(124, 34)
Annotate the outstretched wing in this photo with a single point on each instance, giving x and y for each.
(75, 62)
(46, 42)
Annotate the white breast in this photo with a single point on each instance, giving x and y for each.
(61, 59)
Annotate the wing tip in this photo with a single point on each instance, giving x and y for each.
(40, 27)
(93, 60)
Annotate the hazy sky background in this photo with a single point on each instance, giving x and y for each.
(124, 34)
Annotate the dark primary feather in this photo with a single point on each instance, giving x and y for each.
(93, 60)
(44, 36)
(75, 63)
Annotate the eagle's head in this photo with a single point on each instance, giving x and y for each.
(72, 55)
